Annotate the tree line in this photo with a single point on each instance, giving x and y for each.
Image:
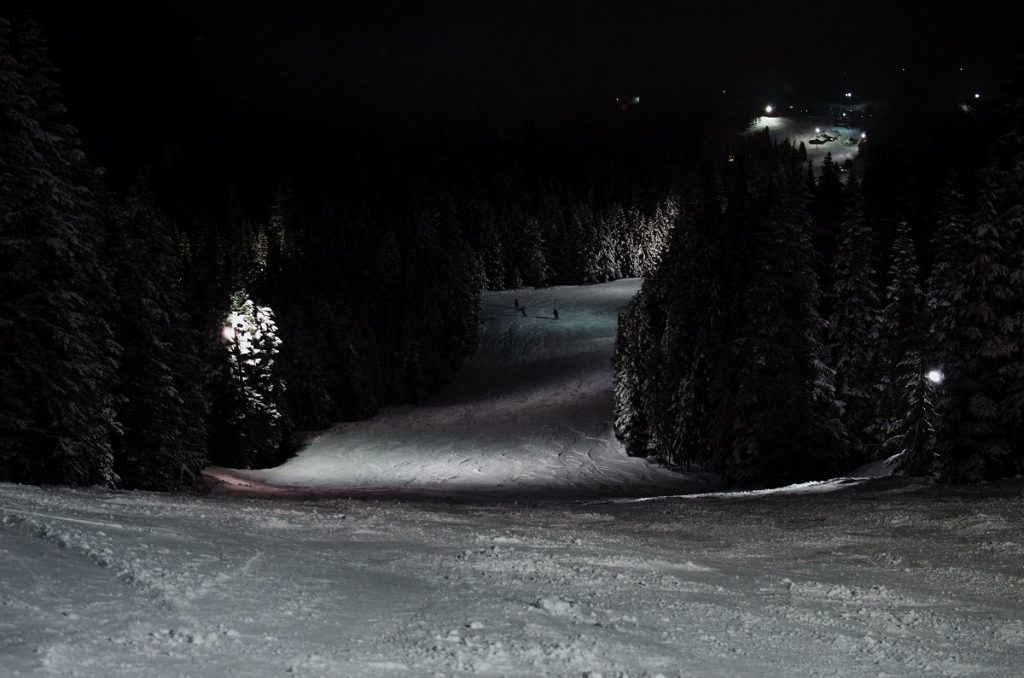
(228, 298)
(802, 324)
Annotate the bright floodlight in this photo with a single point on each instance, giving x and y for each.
(768, 109)
(977, 96)
(849, 95)
(817, 130)
(863, 135)
(935, 376)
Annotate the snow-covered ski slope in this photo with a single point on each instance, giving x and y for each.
(528, 414)
(885, 578)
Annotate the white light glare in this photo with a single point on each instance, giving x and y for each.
(817, 130)
(849, 95)
(768, 109)
(977, 95)
(863, 135)
(935, 376)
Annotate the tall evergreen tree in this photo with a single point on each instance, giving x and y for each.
(853, 327)
(971, 438)
(904, 404)
(785, 423)
(59, 358)
(163, 411)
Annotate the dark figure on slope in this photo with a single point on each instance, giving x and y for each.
(515, 303)
(523, 309)
(556, 313)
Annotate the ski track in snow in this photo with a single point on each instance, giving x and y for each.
(885, 578)
(848, 577)
(529, 414)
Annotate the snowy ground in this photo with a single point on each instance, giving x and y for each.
(798, 129)
(851, 578)
(881, 579)
(528, 415)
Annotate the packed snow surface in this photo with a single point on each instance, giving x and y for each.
(530, 413)
(868, 578)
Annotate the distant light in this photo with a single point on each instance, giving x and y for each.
(817, 130)
(636, 100)
(977, 96)
(961, 68)
(863, 135)
(723, 91)
(844, 114)
(936, 376)
(768, 109)
(849, 95)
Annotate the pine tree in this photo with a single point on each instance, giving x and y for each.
(784, 423)
(632, 349)
(59, 358)
(947, 242)
(911, 441)
(248, 419)
(905, 411)
(163, 446)
(902, 334)
(853, 327)
(971, 436)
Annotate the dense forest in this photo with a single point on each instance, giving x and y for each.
(801, 324)
(230, 295)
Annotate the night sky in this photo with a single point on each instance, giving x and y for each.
(132, 73)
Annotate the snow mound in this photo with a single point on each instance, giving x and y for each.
(528, 415)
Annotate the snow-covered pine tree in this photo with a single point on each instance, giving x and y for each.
(785, 424)
(632, 351)
(911, 438)
(902, 331)
(852, 337)
(248, 419)
(163, 446)
(905, 412)
(680, 375)
(59, 358)
(601, 262)
(981, 430)
(971, 436)
(532, 258)
(948, 240)
(1009, 177)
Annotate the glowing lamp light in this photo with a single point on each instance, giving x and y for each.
(935, 376)
(817, 130)
(849, 95)
(863, 135)
(768, 109)
(977, 96)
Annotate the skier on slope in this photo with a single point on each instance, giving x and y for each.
(556, 313)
